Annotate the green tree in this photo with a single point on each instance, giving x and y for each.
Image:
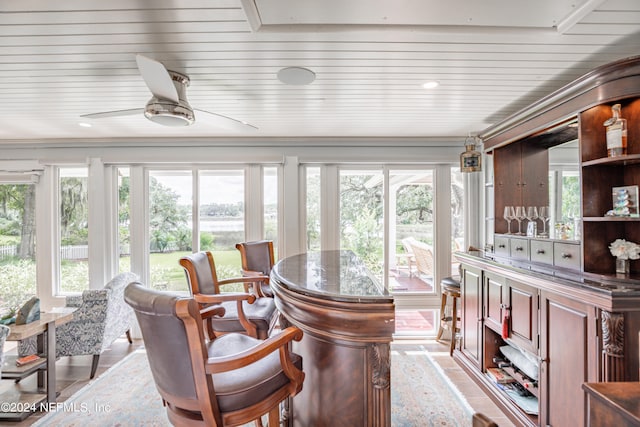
(414, 204)
(73, 210)
(167, 219)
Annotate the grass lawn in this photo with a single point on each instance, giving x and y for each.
(166, 272)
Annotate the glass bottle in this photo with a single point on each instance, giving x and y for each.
(616, 133)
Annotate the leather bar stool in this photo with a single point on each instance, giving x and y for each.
(450, 288)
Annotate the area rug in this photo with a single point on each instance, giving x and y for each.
(125, 396)
(421, 393)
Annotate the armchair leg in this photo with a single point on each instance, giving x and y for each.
(129, 336)
(94, 365)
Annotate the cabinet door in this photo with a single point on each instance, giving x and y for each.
(535, 175)
(569, 358)
(471, 302)
(523, 312)
(494, 293)
(507, 182)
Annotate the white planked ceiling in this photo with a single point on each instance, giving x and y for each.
(61, 59)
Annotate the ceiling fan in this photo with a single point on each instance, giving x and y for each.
(169, 106)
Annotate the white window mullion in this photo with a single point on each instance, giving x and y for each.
(442, 222)
(291, 224)
(97, 217)
(139, 212)
(330, 209)
(254, 203)
(195, 211)
(48, 239)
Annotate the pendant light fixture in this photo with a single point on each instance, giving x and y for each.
(470, 159)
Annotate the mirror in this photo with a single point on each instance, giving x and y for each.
(564, 188)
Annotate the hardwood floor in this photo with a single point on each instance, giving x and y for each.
(73, 374)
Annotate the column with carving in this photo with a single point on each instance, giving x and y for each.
(612, 346)
(380, 361)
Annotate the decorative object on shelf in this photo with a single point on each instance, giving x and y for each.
(616, 133)
(625, 201)
(624, 251)
(29, 312)
(543, 214)
(509, 215)
(562, 231)
(470, 159)
(532, 225)
(520, 216)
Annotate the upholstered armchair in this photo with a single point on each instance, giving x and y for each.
(257, 260)
(243, 312)
(100, 317)
(229, 380)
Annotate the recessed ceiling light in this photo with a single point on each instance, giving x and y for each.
(84, 124)
(430, 85)
(296, 76)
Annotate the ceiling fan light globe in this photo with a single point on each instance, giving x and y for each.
(168, 114)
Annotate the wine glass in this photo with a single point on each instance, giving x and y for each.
(520, 216)
(543, 214)
(532, 214)
(508, 216)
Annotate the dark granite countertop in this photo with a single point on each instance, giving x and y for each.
(611, 285)
(333, 275)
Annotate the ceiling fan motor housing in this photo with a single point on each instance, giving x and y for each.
(168, 113)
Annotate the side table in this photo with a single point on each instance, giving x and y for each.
(45, 330)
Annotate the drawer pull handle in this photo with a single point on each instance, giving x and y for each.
(540, 251)
(519, 248)
(501, 246)
(565, 255)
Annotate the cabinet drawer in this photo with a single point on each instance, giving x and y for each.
(519, 248)
(501, 245)
(541, 251)
(566, 255)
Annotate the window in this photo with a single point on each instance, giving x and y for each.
(74, 229)
(222, 217)
(361, 216)
(17, 245)
(170, 201)
(124, 218)
(412, 210)
(270, 191)
(457, 217)
(313, 208)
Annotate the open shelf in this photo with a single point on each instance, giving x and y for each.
(629, 159)
(610, 219)
(11, 371)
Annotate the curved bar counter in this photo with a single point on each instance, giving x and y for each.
(348, 321)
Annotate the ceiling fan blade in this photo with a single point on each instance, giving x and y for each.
(227, 122)
(116, 113)
(157, 78)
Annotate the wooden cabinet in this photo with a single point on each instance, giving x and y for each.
(511, 307)
(471, 306)
(519, 147)
(568, 358)
(566, 306)
(599, 175)
(494, 301)
(522, 306)
(575, 331)
(521, 177)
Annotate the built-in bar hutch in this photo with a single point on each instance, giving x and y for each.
(552, 312)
